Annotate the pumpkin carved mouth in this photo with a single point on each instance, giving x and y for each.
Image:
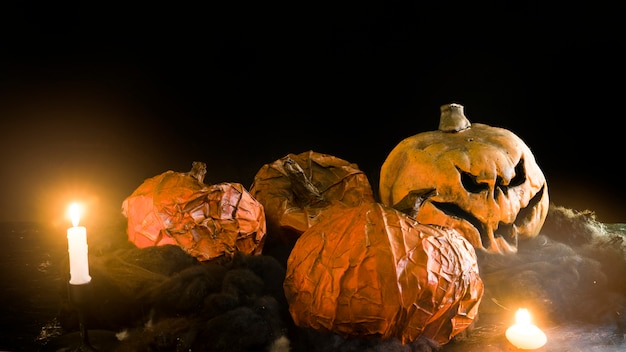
(506, 231)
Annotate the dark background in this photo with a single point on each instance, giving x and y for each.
(95, 98)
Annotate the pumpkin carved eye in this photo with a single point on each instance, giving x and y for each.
(520, 175)
(492, 214)
(471, 184)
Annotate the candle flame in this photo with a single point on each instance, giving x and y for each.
(75, 211)
(522, 316)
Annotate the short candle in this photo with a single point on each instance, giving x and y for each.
(77, 247)
(523, 334)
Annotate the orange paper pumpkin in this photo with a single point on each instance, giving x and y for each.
(481, 180)
(372, 271)
(296, 190)
(207, 221)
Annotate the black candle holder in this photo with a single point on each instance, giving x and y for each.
(79, 298)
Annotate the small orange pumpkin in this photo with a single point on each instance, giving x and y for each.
(208, 221)
(372, 271)
(297, 189)
(481, 180)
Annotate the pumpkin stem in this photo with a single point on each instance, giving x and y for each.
(453, 119)
(411, 203)
(198, 170)
(301, 185)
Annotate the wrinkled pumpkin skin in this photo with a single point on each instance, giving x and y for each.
(481, 180)
(152, 205)
(297, 189)
(372, 271)
(209, 222)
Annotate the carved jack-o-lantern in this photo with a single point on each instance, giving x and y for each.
(482, 180)
(372, 271)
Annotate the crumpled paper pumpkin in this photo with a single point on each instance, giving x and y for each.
(297, 189)
(371, 270)
(207, 221)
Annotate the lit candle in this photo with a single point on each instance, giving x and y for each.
(523, 334)
(77, 247)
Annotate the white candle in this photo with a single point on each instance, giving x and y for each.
(77, 247)
(523, 334)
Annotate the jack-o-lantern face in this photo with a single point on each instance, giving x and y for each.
(481, 180)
